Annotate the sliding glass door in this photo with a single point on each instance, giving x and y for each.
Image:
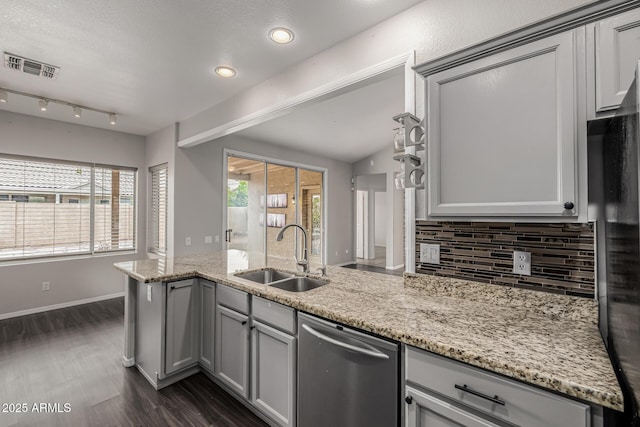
(263, 196)
(245, 204)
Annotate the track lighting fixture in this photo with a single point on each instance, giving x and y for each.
(43, 104)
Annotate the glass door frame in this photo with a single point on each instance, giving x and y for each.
(227, 152)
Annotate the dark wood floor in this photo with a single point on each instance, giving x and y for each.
(73, 356)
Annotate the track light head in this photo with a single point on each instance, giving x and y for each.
(43, 103)
(112, 118)
(77, 112)
(3, 96)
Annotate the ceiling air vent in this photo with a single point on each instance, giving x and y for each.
(30, 66)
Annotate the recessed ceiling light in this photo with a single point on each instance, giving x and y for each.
(3, 96)
(43, 103)
(223, 71)
(77, 111)
(281, 35)
(112, 118)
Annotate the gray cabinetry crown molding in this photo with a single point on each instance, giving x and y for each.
(556, 24)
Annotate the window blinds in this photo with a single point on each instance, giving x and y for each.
(158, 209)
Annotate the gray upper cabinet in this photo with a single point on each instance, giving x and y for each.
(232, 349)
(273, 362)
(617, 50)
(182, 340)
(207, 323)
(502, 133)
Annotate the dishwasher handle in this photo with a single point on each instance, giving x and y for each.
(366, 351)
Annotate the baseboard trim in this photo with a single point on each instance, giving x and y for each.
(394, 267)
(128, 363)
(344, 263)
(59, 306)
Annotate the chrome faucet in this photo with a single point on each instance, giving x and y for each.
(304, 262)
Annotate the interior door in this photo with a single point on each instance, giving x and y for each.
(245, 204)
(362, 240)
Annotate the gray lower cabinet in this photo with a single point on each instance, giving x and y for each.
(427, 410)
(182, 329)
(232, 349)
(273, 367)
(207, 323)
(441, 392)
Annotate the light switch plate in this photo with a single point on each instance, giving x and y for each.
(149, 287)
(430, 253)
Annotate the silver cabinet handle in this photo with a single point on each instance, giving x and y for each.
(368, 352)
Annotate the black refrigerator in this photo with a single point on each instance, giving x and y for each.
(621, 212)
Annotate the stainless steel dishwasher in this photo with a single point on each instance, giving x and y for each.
(345, 378)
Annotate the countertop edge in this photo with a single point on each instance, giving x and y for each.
(522, 374)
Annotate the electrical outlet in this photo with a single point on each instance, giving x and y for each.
(430, 253)
(217, 239)
(187, 241)
(207, 240)
(46, 286)
(522, 263)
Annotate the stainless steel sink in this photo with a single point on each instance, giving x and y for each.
(264, 276)
(299, 284)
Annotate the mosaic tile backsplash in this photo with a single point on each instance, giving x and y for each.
(562, 255)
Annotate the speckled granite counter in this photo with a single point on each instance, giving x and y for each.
(542, 339)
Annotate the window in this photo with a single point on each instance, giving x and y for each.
(158, 209)
(50, 210)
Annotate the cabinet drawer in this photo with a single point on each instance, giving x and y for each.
(274, 314)
(523, 405)
(233, 298)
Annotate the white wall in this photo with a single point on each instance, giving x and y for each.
(159, 148)
(71, 279)
(383, 163)
(432, 28)
(199, 194)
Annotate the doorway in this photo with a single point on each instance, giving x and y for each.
(371, 220)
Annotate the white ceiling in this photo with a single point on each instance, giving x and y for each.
(348, 127)
(152, 61)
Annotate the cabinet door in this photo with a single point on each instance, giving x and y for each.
(617, 52)
(273, 363)
(503, 133)
(232, 349)
(181, 344)
(207, 323)
(425, 410)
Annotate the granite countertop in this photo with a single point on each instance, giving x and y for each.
(548, 340)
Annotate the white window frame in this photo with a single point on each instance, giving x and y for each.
(92, 252)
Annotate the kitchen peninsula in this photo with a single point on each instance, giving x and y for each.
(541, 339)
